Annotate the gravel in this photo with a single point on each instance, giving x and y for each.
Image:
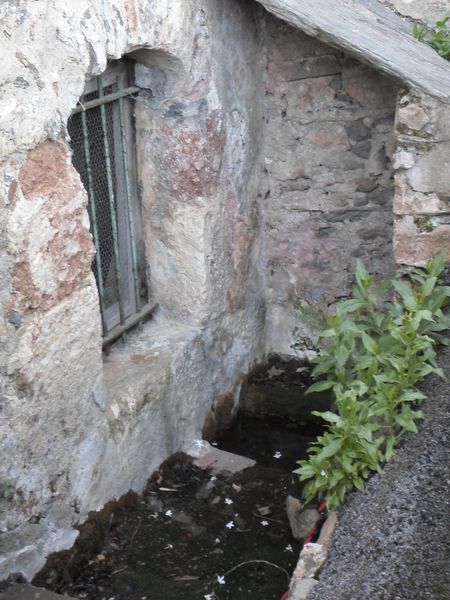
(392, 542)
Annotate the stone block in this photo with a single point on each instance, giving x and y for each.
(301, 520)
(316, 66)
(330, 136)
(301, 589)
(220, 462)
(411, 116)
(358, 131)
(362, 149)
(403, 159)
(410, 202)
(28, 592)
(312, 558)
(430, 172)
(328, 529)
(415, 247)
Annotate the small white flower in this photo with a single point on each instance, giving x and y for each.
(168, 547)
(213, 478)
(200, 444)
(264, 523)
(228, 501)
(289, 548)
(277, 454)
(169, 513)
(217, 541)
(221, 579)
(322, 472)
(208, 597)
(230, 525)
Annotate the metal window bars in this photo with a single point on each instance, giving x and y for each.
(100, 129)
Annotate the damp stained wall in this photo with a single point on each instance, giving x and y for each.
(78, 428)
(264, 170)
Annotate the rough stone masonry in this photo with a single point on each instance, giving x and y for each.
(264, 169)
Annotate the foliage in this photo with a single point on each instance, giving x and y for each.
(436, 35)
(377, 351)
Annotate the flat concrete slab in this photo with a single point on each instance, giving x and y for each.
(372, 33)
(24, 591)
(220, 462)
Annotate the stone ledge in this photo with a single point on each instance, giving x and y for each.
(220, 462)
(373, 34)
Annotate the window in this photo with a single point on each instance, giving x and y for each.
(103, 145)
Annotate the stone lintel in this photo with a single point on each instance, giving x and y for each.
(370, 32)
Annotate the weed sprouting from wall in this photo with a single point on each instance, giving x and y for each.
(436, 35)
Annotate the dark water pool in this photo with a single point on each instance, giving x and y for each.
(193, 536)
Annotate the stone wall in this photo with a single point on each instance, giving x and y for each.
(264, 172)
(327, 189)
(422, 179)
(422, 198)
(79, 428)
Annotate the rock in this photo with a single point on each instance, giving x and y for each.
(301, 521)
(358, 132)
(223, 463)
(302, 588)
(312, 558)
(403, 160)
(29, 592)
(366, 184)
(362, 149)
(430, 172)
(197, 448)
(327, 529)
(412, 116)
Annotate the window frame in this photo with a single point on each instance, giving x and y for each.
(120, 166)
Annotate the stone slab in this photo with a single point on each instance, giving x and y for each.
(220, 462)
(373, 34)
(24, 591)
(302, 589)
(301, 520)
(327, 530)
(311, 560)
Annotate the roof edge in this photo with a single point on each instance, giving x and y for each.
(373, 34)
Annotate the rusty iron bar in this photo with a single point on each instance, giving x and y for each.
(112, 205)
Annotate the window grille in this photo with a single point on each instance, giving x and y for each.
(102, 141)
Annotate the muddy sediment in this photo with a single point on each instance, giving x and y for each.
(193, 534)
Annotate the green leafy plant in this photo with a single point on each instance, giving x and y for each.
(376, 352)
(436, 35)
